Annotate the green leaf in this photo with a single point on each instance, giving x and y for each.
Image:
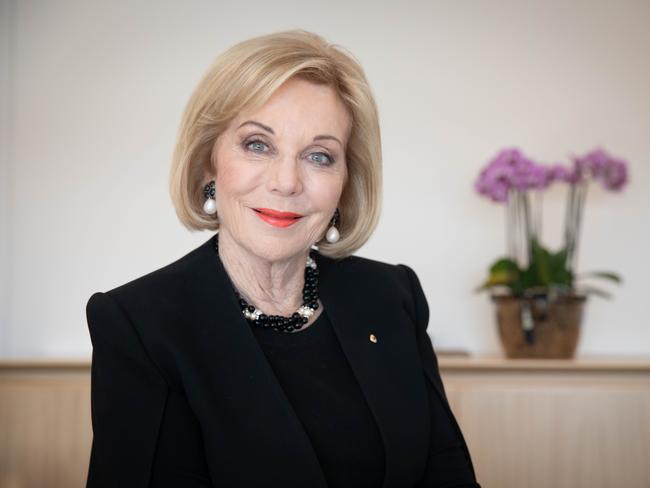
(600, 274)
(559, 272)
(541, 264)
(496, 279)
(590, 290)
(504, 265)
(503, 272)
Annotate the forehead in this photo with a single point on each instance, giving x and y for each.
(301, 104)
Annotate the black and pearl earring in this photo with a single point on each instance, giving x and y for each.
(210, 204)
(333, 235)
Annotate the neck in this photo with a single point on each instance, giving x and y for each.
(272, 286)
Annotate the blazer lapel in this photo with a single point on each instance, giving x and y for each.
(387, 370)
(252, 435)
(236, 395)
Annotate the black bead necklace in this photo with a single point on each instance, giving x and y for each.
(278, 322)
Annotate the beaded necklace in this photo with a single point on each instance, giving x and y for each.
(278, 322)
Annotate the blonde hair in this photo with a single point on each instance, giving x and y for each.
(243, 78)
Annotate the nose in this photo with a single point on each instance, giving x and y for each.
(284, 176)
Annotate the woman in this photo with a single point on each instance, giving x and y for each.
(270, 356)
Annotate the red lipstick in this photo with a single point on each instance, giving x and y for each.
(276, 217)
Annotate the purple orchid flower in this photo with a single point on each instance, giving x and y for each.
(510, 168)
(598, 164)
(559, 172)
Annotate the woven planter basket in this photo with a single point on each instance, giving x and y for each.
(537, 327)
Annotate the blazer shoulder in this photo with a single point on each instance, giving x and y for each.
(381, 276)
(162, 280)
(393, 280)
(156, 305)
(160, 296)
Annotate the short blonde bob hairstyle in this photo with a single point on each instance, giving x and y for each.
(243, 78)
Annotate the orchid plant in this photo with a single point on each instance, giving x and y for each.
(531, 269)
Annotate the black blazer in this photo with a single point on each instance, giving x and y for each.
(173, 355)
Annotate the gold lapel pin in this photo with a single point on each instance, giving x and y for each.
(373, 338)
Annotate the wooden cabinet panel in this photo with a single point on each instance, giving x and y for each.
(583, 423)
(528, 423)
(45, 426)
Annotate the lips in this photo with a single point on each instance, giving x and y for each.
(277, 218)
(277, 214)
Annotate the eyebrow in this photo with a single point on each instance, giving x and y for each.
(268, 129)
(259, 124)
(327, 136)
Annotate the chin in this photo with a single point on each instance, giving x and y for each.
(277, 249)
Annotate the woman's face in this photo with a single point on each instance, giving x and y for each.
(289, 157)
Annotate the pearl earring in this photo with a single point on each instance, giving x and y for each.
(333, 235)
(210, 204)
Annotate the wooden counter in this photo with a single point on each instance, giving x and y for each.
(554, 423)
(528, 423)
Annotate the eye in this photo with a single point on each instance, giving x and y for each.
(256, 145)
(321, 158)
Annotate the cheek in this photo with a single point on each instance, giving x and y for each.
(333, 196)
(227, 181)
(328, 190)
(233, 179)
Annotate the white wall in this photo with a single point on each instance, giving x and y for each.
(95, 92)
(6, 162)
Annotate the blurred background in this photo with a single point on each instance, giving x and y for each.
(91, 95)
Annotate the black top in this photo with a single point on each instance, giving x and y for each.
(318, 381)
